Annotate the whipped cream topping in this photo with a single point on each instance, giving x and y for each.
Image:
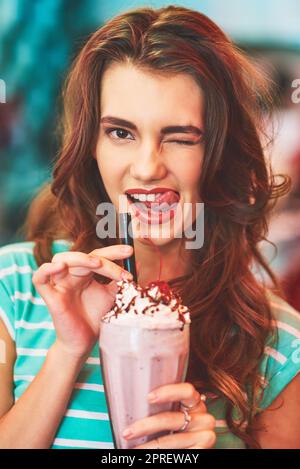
(155, 306)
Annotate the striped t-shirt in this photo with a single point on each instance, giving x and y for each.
(86, 422)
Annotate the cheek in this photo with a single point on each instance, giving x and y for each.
(188, 173)
(110, 166)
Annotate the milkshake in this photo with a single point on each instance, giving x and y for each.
(144, 344)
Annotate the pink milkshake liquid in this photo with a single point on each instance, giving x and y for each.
(144, 346)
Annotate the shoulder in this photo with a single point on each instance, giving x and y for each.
(17, 265)
(281, 360)
(281, 309)
(286, 321)
(17, 262)
(278, 426)
(23, 253)
(11, 253)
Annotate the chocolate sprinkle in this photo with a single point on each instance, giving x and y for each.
(164, 295)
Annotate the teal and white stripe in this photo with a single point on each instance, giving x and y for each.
(28, 321)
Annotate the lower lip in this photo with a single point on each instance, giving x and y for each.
(152, 217)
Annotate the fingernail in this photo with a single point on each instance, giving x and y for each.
(126, 275)
(126, 249)
(127, 433)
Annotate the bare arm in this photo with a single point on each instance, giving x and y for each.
(76, 302)
(280, 423)
(7, 360)
(44, 402)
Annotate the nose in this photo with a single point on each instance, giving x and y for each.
(148, 164)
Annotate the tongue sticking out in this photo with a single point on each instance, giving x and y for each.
(168, 197)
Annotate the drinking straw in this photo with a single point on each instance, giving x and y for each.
(126, 237)
(159, 256)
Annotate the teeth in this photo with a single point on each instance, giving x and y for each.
(146, 197)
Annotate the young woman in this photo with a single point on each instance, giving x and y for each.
(157, 99)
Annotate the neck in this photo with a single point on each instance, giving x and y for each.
(174, 261)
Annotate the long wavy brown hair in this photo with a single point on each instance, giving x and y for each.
(231, 315)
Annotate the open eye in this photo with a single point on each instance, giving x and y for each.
(120, 134)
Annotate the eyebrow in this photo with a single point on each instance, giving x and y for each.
(171, 129)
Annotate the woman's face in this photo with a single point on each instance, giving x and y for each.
(150, 139)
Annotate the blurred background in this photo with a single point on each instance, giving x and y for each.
(39, 39)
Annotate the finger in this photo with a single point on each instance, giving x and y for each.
(117, 251)
(41, 279)
(77, 259)
(112, 288)
(59, 275)
(81, 264)
(172, 421)
(183, 392)
(112, 270)
(78, 271)
(210, 438)
(202, 422)
(205, 440)
(78, 280)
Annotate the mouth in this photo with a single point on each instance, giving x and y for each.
(156, 206)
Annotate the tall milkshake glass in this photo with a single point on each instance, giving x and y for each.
(140, 351)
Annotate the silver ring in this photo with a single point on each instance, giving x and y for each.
(202, 398)
(187, 419)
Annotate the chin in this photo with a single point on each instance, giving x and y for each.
(160, 235)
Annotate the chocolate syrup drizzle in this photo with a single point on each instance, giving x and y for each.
(165, 297)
